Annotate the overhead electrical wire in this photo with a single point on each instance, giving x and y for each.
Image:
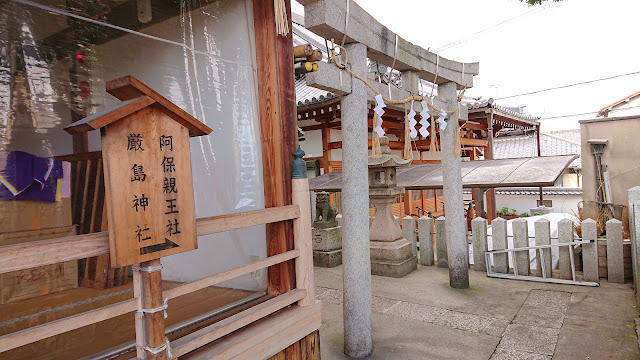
(587, 113)
(460, 41)
(569, 85)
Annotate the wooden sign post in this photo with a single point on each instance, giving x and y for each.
(149, 194)
(149, 190)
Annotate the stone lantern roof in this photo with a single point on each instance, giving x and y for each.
(387, 159)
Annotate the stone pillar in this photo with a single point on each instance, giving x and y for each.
(634, 232)
(356, 261)
(441, 243)
(425, 226)
(615, 258)
(542, 229)
(521, 239)
(590, 271)
(499, 239)
(457, 248)
(409, 232)
(565, 235)
(479, 230)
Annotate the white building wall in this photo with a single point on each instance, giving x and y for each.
(523, 203)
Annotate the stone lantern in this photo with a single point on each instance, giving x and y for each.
(391, 254)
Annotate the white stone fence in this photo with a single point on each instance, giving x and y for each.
(600, 257)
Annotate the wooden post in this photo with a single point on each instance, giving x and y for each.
(408, 202)
(488, 155)
(278, 130)
(147, 286)
(326, 152)
(302, 230)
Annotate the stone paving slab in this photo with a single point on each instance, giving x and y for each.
(417, 312)
(503, 354)
(530, 339)
(540, 317)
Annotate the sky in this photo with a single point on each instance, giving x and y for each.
(524, 48)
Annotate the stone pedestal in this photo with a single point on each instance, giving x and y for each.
(327, 246)
(540, 210)
(391, 254)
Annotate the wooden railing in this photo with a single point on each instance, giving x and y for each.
(38, 253)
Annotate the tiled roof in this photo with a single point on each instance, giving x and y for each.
(512, 147)
(307, 95)
(554, 190)
(513, 111)
(571, 135)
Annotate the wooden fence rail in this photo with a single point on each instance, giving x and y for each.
(29, 255)
(53, 251)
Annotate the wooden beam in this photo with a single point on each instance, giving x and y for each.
(331, 125)
(237, 321)
(45, 252)
(326, 151)
(230, 274)
(222, 223)
(264, 338)
(52, 328)
(278, 130)
(303, 241)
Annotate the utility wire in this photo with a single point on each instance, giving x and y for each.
(460, 41)
(587, 113)
(570, 85)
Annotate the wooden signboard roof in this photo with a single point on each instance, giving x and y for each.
(135, 96)
(535, 171)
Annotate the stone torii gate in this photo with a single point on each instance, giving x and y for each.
(364, 37)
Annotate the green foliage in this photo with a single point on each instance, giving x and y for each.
(524, 214)
(536, 214)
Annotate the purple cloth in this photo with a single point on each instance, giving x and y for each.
(32, 177)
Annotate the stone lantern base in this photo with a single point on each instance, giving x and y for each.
(393, 259)
(391, 254)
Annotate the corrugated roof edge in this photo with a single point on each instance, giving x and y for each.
(554, 190)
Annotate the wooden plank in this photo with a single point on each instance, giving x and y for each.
(307, 348)
(36, 333)
(303, 242)
(222, 223)
(265, 337)
(51, 251)
(226, 326)
(233, 273)
(278, 130)
(330, 125)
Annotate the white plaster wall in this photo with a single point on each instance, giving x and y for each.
(523, 203)
(312, 145)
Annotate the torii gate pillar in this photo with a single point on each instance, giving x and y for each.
(356, 262)
(455, 223)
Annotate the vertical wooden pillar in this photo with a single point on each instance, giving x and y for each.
(326, 152)
(278, 129)
(488, 155)
(408, 202)
(147, 286)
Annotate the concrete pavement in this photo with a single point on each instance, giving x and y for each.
(421, 317)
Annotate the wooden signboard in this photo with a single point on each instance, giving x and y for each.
(148, 184)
